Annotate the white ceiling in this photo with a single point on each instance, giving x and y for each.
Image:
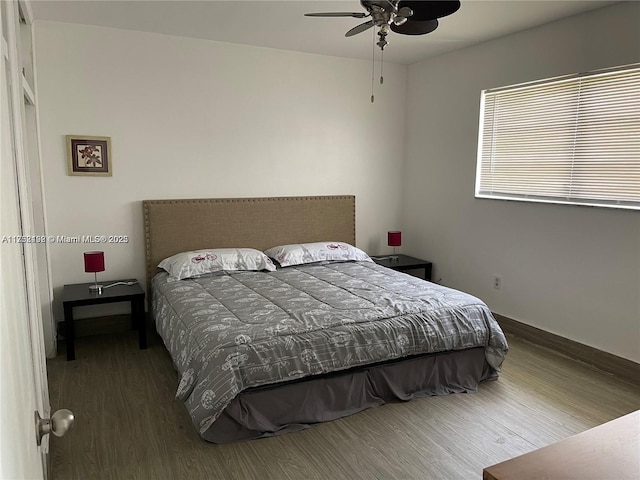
(282, 24)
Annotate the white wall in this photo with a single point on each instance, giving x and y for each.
(192, 118)
(573, 271)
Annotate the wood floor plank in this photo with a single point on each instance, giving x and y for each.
(129, 424)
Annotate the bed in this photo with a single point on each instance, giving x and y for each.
(261, 353)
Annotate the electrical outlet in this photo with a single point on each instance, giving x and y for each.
(497, 282)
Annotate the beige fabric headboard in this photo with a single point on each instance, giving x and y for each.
(174, 226)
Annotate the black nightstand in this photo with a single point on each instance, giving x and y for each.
(405, 262)
(79, 295)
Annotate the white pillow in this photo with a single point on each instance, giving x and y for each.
(299, 253)
(199, 262)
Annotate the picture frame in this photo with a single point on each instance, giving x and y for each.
(88, 155)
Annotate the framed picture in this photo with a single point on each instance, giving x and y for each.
(89, 155)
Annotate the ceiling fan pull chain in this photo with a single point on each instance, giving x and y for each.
(381, 67)
(373, 74)
(373, 62)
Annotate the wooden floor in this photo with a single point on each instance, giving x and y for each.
(129, 425)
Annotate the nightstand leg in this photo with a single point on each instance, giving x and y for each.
(427, 272)
(69, 333)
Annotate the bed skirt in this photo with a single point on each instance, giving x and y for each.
(274, 410)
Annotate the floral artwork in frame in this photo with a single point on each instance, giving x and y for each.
(89, 155)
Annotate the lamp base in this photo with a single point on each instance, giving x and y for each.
(394, 258)
(97, 289)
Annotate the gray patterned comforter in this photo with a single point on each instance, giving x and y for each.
(230, 332)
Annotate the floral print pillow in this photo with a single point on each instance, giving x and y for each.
(300, 253)
(200, 262)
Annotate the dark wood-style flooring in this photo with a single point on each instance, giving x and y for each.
(130, 426)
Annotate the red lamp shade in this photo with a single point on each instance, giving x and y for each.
(394, 239)
(93, 262)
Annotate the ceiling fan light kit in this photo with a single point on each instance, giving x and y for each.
(405, 17)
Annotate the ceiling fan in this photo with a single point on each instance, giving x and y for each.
(406, 17)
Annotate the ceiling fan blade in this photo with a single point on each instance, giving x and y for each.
(337, 14)
(412, 27)
(360, 28)
(430, 10)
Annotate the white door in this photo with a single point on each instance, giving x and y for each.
(23, 382)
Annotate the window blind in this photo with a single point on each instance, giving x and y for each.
(570, 140)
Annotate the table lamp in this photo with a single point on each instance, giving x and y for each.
(394, 239)
(93, 263)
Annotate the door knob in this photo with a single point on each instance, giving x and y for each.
(59, 424)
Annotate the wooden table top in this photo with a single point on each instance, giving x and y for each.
(608, 451)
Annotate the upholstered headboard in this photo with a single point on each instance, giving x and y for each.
(173, 226)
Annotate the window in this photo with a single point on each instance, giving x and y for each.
(572, 140)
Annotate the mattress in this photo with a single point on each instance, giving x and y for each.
(231, 332)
